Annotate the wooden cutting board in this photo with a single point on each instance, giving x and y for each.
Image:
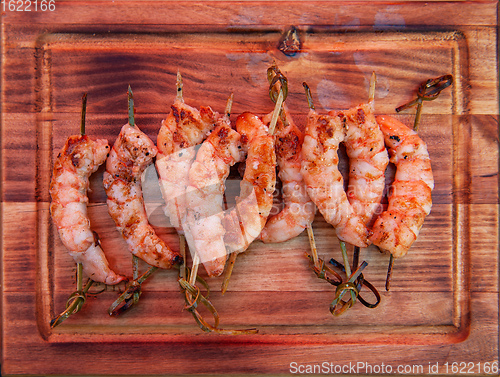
(441, 314)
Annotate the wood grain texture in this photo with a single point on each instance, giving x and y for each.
(443, 305)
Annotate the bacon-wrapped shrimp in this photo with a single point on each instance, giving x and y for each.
(325, 184)
(207, 175)
(368, 160)
(78, 159)
(132, 152)
(298, 210)
(410, 198)
(183, 129)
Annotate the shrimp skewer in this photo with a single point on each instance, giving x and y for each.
(181, 132)
(325, 184)
(428, 91)
(257, 187)
(78, 159)
(131, 153)
(207, 175)
(245, 221)
(183, 129)
(298, 209)
(368, 159)
(410, 199)
(363, 141)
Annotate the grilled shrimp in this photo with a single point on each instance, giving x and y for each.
(207, 175)
(325, 184)
(244, 222)
(368, 160)
(132, 152)
(298, 209)
(184, 128)
(410, 200)
(78, 159)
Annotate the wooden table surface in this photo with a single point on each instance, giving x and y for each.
(441, 314)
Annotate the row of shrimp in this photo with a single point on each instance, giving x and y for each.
(194, 153)
(357, 213)
(132, 152)
(197, 150)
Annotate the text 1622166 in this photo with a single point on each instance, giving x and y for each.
(28, 5)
